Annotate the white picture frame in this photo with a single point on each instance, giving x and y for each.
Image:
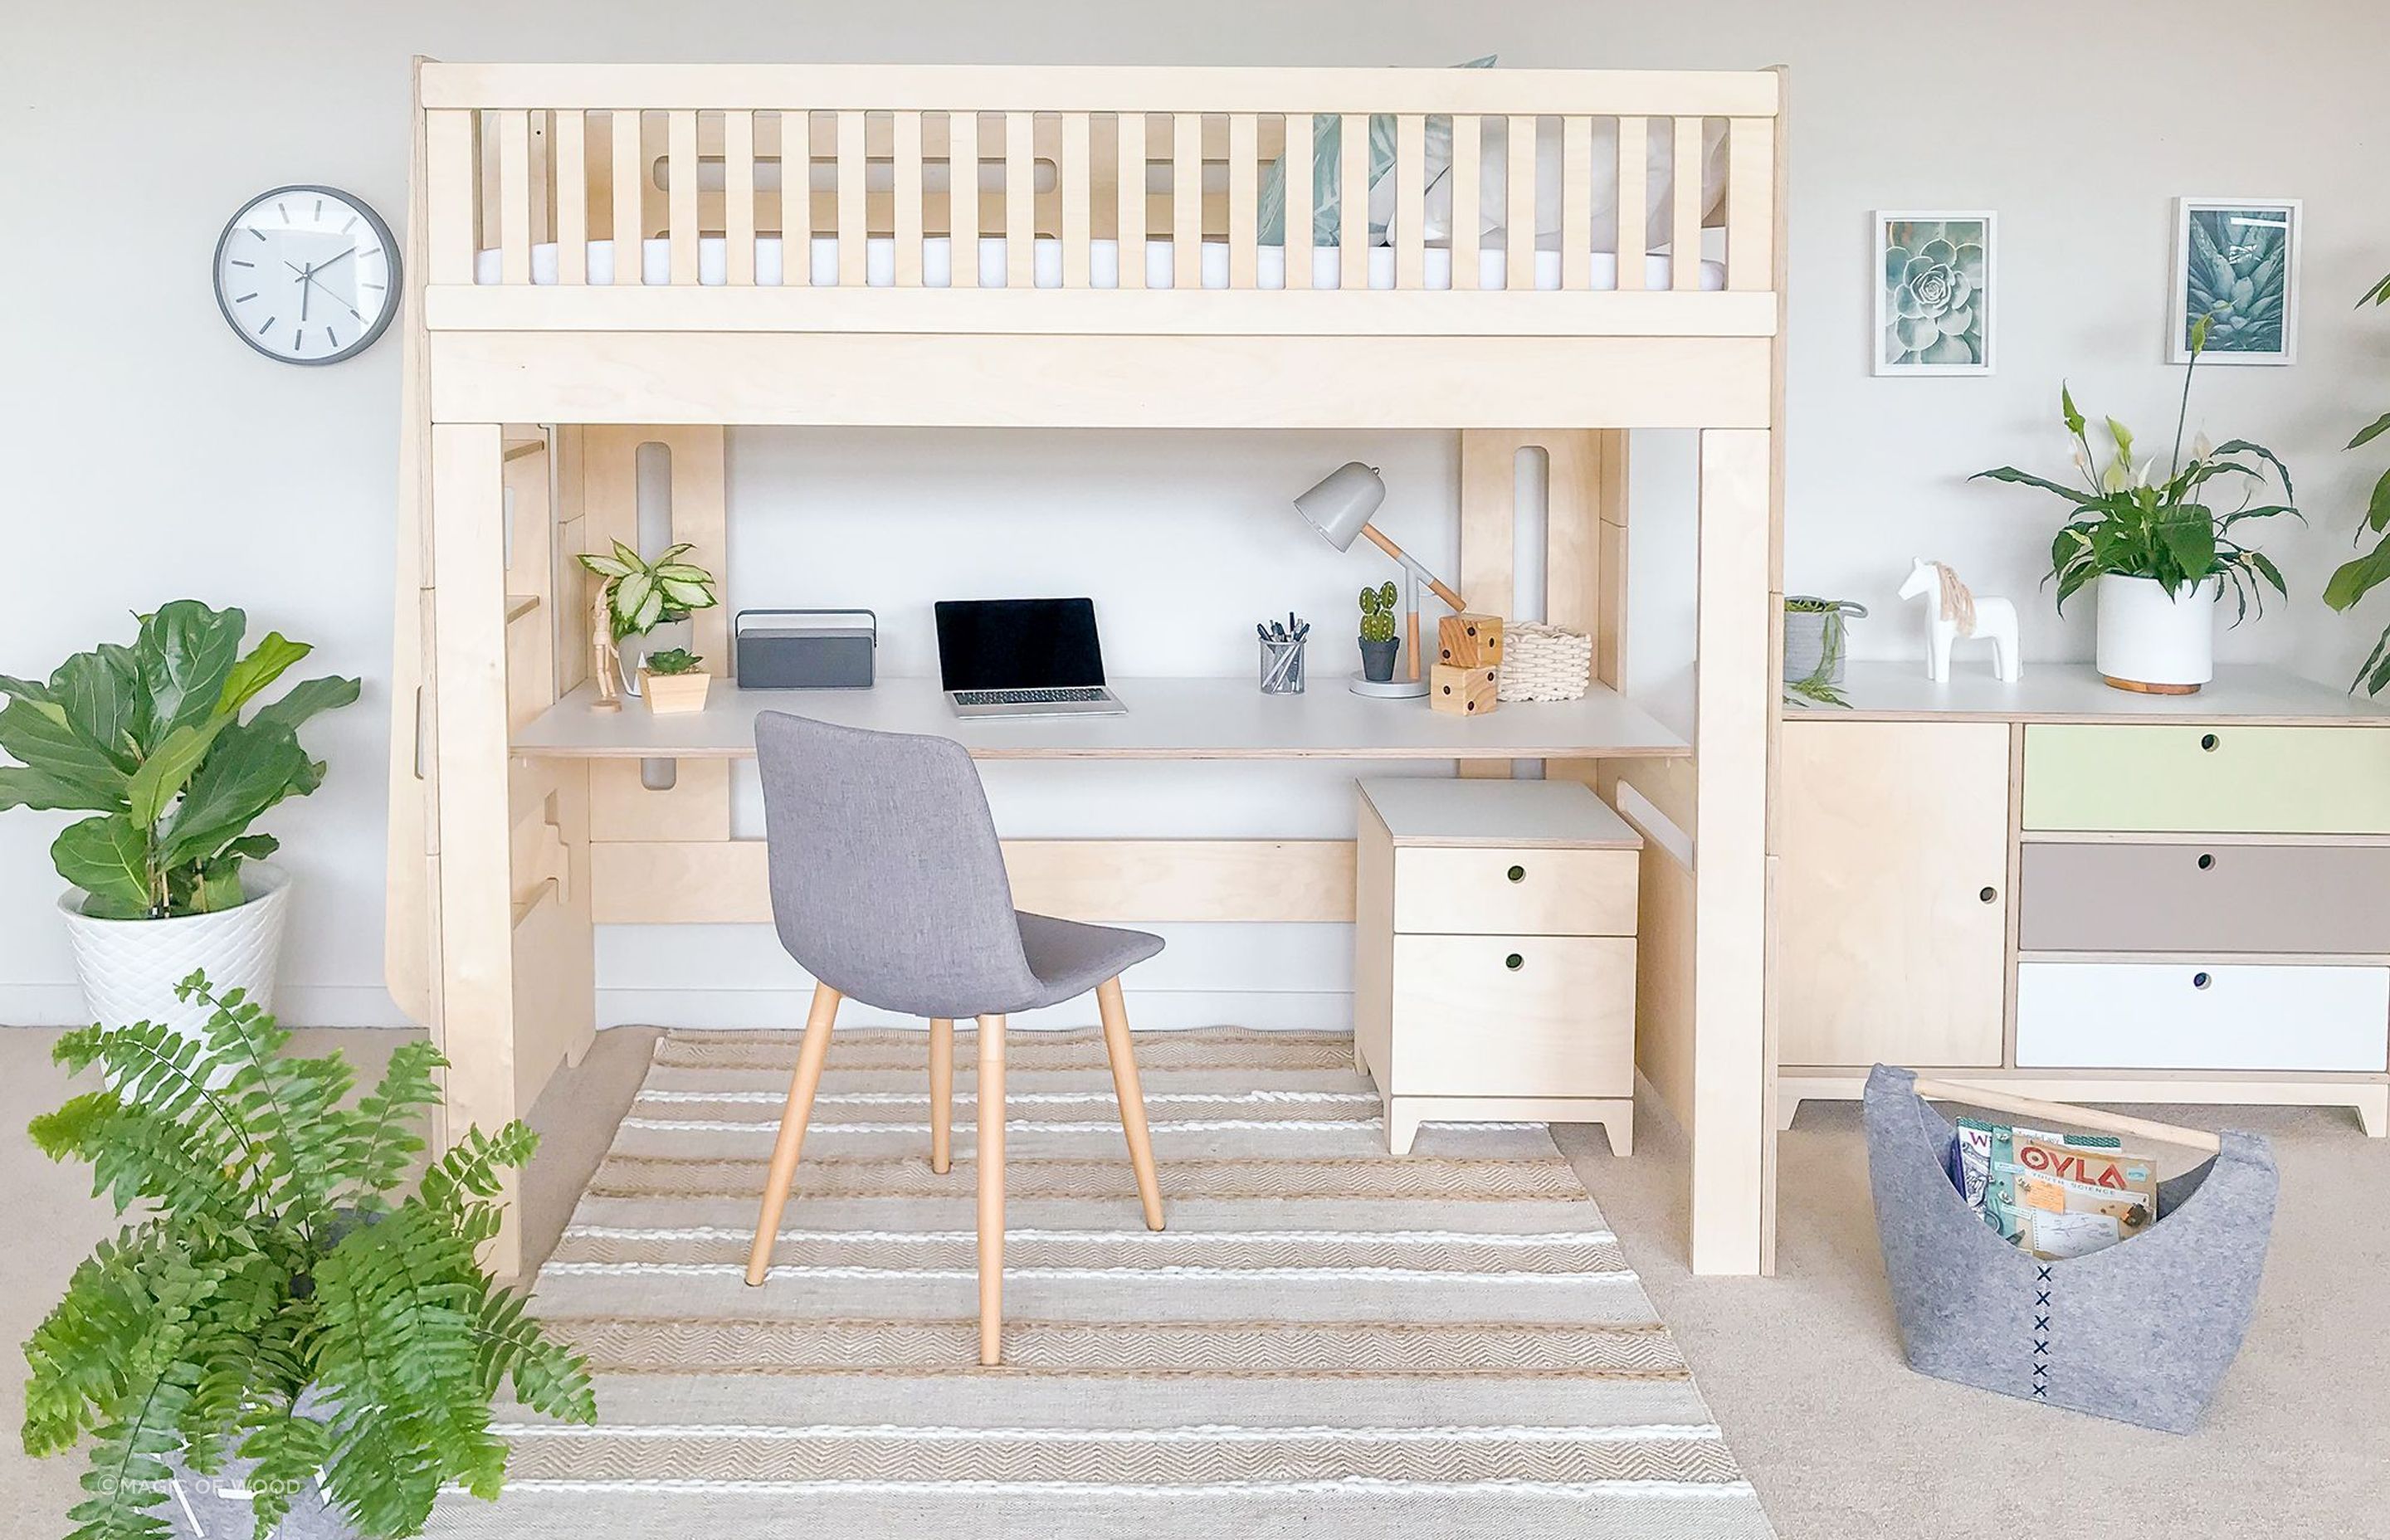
(1918, 290)
(2272, 335)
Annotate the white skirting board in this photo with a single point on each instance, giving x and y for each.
(1149, 1010)
(62, 1005)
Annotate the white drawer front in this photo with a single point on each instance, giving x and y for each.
(2185, 1015)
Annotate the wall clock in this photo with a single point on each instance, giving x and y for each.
(307, 274)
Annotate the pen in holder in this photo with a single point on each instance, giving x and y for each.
(1281, 662)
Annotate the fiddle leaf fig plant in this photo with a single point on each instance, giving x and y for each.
(642, 595)
(2360, 575)
(151, 739)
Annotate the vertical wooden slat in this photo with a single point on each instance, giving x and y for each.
(630, 174)
(1353, 210)
(853, 232)
(907, 180)
(1244, 199)
(1298, 200)
(680, 182)
(1131, 176)
(1468, 167)
(1019, 200)
(738, 198)
(1187, 200)
(514, 197)
(962, 199)
(1411, 206)
(1075, 170)
(1576, 202)
(1634, 197)
(1519, 211)
(569, 155)
(1685, 239)
(1751, 203)
(448, 201)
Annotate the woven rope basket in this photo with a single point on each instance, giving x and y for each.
(1544, 662)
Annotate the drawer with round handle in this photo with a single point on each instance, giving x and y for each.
(1551, 1016)
(2176, 897)
(2189, 1015)
(1492, 891)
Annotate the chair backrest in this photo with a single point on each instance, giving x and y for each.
(888, 884)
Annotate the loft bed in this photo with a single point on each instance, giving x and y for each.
(540, 358)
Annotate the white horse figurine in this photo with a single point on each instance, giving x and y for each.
(1956, 613)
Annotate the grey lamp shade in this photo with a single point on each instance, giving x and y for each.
(1342, 505)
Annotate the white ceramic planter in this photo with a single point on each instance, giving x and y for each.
(129, 968)
(2149, 640)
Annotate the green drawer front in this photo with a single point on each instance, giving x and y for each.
(2213, 779)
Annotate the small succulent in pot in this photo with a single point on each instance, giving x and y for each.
(674, 661)
(1379, 644)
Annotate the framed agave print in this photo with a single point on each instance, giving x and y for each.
(2236, 262)
(1934, 293)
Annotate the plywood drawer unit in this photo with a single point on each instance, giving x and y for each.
(1494, 954)
(2132, 777)
(2175, 897)
(2191, 1016)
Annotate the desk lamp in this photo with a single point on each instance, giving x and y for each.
(1340, 507)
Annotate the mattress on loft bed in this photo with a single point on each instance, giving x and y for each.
(937, 258)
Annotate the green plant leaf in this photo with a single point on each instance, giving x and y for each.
(2378, 295)
(106, 857)
(631, 594)
(2236, 447)
(100, 691)
(305, 699)
(2011, 474)
(65, 768)
(164, 774)
(2380, 426)
(2358, 577)
(254, 765)
(23, 689)
(604, 566)
(264, 666)
(184, 654)
(2066, 409)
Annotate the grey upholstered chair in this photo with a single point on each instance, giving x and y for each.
(888, 886)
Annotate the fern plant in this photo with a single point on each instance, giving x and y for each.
(276, 1257)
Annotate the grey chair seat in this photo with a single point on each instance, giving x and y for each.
(1071, 958)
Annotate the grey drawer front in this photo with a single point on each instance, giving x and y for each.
(2205, 898)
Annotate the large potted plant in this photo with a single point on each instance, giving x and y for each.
(2158, 551)
(151, 741)
(2360, 575)
(286, 1330)
(649, 603)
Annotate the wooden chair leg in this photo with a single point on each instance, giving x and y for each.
(789, 1146)
(990, 1119)
(1131, 1096)
(942, 1095)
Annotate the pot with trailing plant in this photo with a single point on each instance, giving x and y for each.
(294, 1330)
(1379, 642)
(172, 753)
(1816, 645)
(2157, 546)
(2360, 575)
(649, 602)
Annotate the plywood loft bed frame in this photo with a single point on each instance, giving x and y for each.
(516, 824)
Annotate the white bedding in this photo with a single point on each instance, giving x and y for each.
(937, 261)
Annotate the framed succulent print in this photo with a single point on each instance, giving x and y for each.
(1934, 293)
(2236, 262)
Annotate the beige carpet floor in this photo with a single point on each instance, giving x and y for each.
(1802, 1370)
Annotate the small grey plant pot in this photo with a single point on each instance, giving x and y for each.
(1377, 660)
(218, 1506)
(1816, 636)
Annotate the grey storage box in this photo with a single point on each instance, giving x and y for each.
(2141, 1331)
(804, 649)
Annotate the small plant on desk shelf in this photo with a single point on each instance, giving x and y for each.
(674, 661)
(641, 594)
(672, 682)
(1378, 642)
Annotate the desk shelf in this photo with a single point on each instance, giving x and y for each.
(1167, 719)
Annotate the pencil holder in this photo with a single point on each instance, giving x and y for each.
(1281, 667)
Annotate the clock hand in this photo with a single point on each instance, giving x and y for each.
(306, 284)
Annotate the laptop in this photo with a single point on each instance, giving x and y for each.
(1022, 658)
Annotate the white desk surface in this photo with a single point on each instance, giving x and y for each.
(2074, 692)
(1432, 811)
(1166, 719)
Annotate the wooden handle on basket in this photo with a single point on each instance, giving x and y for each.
(2033, 1107)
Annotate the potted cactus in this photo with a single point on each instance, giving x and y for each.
(1379, 642)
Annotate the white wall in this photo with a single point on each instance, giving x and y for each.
(150, 456)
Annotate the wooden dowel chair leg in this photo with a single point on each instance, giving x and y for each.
(791, 1144)
(1131, 1096)
(942, 1095)
(990, 1120)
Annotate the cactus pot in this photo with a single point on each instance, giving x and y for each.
(1378, 659)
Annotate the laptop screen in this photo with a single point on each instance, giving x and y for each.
(1018, 644)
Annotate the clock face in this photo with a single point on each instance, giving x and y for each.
(307, 274)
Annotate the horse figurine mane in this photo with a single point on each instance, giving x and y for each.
(1957, 600)
(1956, 613)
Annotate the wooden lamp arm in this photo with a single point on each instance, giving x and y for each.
(1434, 585)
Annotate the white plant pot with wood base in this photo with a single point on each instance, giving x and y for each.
(129, 968)
(2154, 642)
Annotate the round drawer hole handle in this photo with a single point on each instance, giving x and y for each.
(1989, 895)
(2208, 741)
(2201, 980)
(1516, 873)
(2206, 862)
(1514, 962)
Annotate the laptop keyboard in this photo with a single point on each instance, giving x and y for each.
(1031, 697)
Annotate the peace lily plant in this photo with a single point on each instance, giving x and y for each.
(2156, 543)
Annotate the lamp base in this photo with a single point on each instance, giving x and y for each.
(1393, 690)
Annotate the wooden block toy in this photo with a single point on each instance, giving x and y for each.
(1469, 641)
(1463, 691)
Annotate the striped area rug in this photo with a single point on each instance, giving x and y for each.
(1327, 1342)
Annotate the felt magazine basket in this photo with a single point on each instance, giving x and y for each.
(2140, 1331)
